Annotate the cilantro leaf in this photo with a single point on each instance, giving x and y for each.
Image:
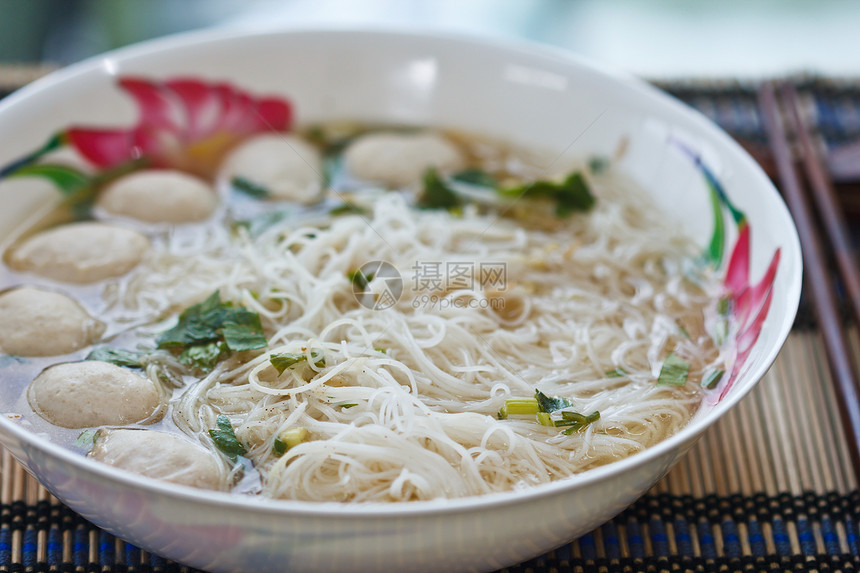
(118, 356)
(616, 373)
(476, 177)
(259, 224)
(547, 404)
(225, 438)
(283, 360)
(674, 371)
(359, 279)
(279, 448)
(598, 164)
(243, 330)
(204, 356)
(347, 208)
(436, 194)
(570, 196)
(206, 332)
(250, 188)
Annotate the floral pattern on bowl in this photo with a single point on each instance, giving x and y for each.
(747, 305)
(183, 123)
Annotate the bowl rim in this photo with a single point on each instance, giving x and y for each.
(791, 253)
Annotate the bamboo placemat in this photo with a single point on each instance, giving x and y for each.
(768, 488)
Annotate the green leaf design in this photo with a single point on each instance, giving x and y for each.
(717, 246)
(67, 179)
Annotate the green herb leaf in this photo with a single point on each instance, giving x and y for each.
(206, 332)
(476, 177)
(279, 448)
(616, 373)
(712, 378)
(674, 371)
(570, 196)
(347, 406)
(256, 226)
(724, 306)
(347, 209)
(547, 404)
(86, 440)
(118, 356)
(197, 324)
(225, 438)
(598, 164)
(359, 279)
(250, 188)
(204, 356)
(242, 330)
(283, 360)
(436, 194)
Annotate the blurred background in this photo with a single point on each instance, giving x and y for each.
(657, 39)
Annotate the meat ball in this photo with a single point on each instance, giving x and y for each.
(36, 322)
(400, 159)
(92, 393)
(288, 167)
(80, 252)
(159, 196)
(158, 455)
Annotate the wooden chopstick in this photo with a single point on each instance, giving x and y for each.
(825, 200)
(818, 277)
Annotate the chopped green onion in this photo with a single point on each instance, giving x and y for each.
(288, 439)
(721, 331)
(674, 371)
(521, 407)
(544, 419)
(724, 306)
(712, 378)
(85, 440)
(576, 417)
(590, 419)
(225, 438)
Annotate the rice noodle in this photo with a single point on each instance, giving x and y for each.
(405, 407)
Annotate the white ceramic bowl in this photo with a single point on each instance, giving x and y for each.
(527, 94)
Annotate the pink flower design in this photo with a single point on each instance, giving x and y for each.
(184, 123)
(750, 303)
